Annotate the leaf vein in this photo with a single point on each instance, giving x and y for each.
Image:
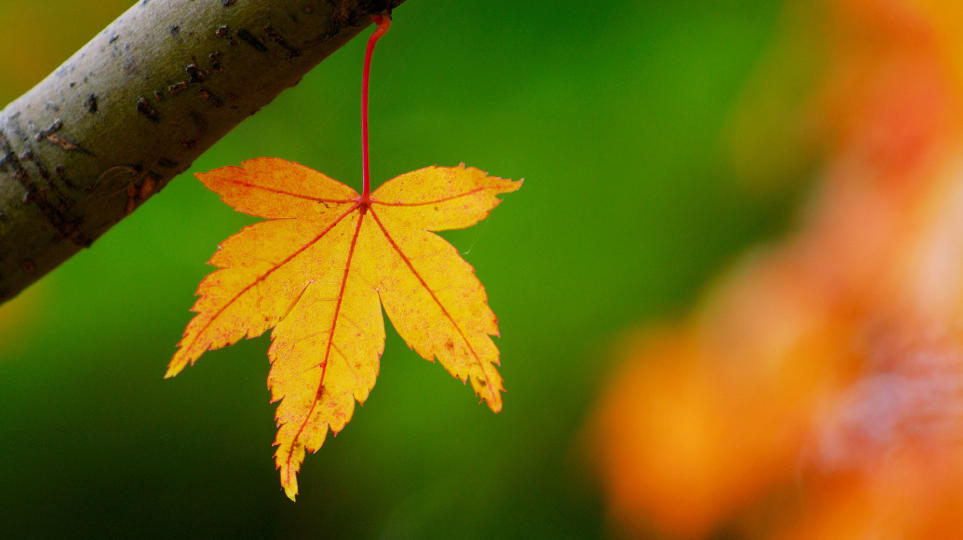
(327, 354)
(268, 273)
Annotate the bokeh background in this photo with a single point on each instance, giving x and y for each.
(628, 121)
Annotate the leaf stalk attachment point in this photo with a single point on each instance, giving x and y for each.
(383, 22)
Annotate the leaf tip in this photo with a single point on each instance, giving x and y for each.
(176, 366)
(289, 481)
(204, 178)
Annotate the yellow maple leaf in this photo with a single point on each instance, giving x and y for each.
(319, 271)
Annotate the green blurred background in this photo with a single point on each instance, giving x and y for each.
(612, 112)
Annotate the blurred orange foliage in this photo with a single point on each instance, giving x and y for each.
(818, 391)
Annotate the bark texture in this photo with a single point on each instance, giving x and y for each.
(135, 106)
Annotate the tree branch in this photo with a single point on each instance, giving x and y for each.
(138, 104)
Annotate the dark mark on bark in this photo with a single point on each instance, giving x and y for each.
(113, 38)
(166, 162)
(151, 180)
(208, 96)
(228, 3)
(18, 129)
(147, 186)
(58, 123)
(66, 227)
(3, 216)
(175, 29)
(62, 173)
(196, 74)
(158, 95)
(28, 155)
(293, 52)
(177, 87)
(43, 172)
(225, 32)
(144, 108)
(66, 144)
(65, 202)
(131, 198)
(50, 135)
(141, 193)
(91, 103)
(215, 63)
(249, 38)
